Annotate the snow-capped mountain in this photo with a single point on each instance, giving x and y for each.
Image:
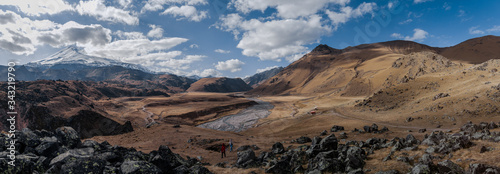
(72, 56)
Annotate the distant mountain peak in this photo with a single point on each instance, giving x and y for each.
(324, 49)
(72, 55)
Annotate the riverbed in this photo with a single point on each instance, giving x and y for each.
(243, 120)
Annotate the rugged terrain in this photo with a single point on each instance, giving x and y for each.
(393, 107)
(259, 78)
(219, 84)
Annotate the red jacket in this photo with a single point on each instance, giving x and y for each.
(223, 148)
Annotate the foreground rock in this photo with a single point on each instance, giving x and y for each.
(62, 151)
(327, 155)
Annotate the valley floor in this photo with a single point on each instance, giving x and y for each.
(289, 119)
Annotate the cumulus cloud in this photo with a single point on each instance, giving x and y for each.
(136, 47)
(222, 51)
(122, 35)
(274, 39)
(186, 12)
(154, 5)
(397, 36)
(233, 65)
(266, 69)
(418, 35)
(495, 28)
(73, 32)
(37, 7)
(286, 8)
(210, 72)
(474, 30)
(194, 46)
(6, 18)
(346, 13)
(100, 11)
(19, 33)
(155, 32)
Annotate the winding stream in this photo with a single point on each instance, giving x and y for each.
(243, 120)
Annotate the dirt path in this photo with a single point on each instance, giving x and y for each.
(243, 120)
(382, 123)
(149, 119)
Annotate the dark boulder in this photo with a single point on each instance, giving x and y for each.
(281, 167)
(328, 143)
(139, 167)
(166, 159)
(277, 148)
(448, 166)
(482, 168)
(302, 140)
(246, 159)
(336, 128)
(83, 165)
(68, 136)
(420, 169)
(355, 158)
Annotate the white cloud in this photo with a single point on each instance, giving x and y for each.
(418, 35)
(446, 6)
(186, 12)
(406, 21)
(390, 4)
(206, 73)
(100, 11)
(474, 30)
(420, 1)
(194, 46)
(154, 5)
(156, 31)
(266, 69)
(222, 51)
(461, 13)
(74, 33)
(286, 8)
(495, 28)
(37, 7)
(346, 13)
(182, 64)
(124, 3)
(275, 39)
(397, 36)
(233, 65)
(130, 48)
(129, 35)
(21, 36)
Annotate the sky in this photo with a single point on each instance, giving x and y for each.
(233, 38)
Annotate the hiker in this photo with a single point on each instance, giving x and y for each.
(230, 145)
(223, 150)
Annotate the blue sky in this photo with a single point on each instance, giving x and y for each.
(234, 38)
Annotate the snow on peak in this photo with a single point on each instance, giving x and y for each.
(74, 55)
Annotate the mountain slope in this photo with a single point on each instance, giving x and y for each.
(259, 78)
(477, 50)
(365, 69)
(219, 84)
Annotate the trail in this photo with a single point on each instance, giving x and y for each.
(385, 124)
(149, 119)
(243, 120)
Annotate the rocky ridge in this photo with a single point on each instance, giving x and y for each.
(62, 151)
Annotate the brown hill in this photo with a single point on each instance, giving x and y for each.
(477, 50)
(364, 69)
(219, 84)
